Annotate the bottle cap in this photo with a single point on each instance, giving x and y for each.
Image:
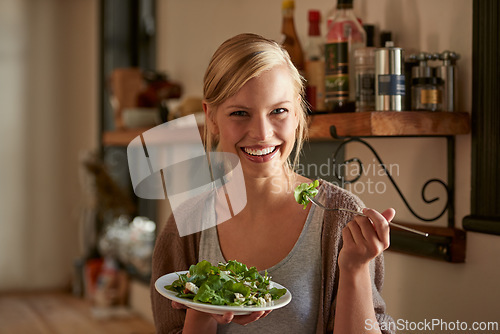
(385, 36)
(344, 4)
(314, 15)
(288, 4)
(370, 34)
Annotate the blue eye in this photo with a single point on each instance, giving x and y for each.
(238, 113)
(279, 111)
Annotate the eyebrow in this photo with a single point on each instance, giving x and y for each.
(238, 106)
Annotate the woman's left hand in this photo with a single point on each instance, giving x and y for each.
(365, 238)
(229, 316)
(240, 319)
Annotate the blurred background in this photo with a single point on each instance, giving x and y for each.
(56, 62)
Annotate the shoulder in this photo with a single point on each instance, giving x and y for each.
(336, 197)
(173, 252)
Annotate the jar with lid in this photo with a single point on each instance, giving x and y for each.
(427, 94)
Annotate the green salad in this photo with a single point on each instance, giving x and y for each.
(232, 284)
(305, 190)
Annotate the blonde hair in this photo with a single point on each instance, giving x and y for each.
(240, 59)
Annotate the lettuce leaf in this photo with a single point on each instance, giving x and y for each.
(276, 293)
(236, 267)
(207, 294)
(304, 190)
(231, 284)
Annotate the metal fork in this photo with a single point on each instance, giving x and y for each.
(315, 202)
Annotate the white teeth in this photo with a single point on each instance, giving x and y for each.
(264, 151)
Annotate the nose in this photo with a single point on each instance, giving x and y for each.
(261, 128)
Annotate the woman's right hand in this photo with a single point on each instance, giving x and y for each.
(364, 238)
(223, 318)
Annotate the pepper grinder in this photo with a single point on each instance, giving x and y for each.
(423, 70)
(448, 71)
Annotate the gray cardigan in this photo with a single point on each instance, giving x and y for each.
(173, 253)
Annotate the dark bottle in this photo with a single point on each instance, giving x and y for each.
(345, 35)
(291, 41)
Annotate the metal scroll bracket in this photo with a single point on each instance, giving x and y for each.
(445, 243)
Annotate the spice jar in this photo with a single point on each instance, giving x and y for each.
(427, 94)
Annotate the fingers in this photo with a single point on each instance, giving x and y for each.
(265, 314)
(366, 240)
(178, 306)
(229, 316)
(347, 236)
(355, 231)
(223, 318)
(248, 318)
(240, 319)
(380, 223)
(389, 214)
(371, 231)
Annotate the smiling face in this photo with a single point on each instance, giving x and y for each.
(259, 122)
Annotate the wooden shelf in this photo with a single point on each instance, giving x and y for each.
(389, 123)
(121, 137)
(124, 137)
(443, 243)
(360, 124)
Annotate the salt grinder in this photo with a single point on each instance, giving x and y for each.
(448, 71)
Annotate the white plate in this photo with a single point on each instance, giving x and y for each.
(216, 309)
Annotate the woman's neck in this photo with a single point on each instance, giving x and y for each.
(267, 190)
(266, 194)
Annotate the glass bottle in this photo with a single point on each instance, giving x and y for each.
(291, 41)
(364, 59)
(315, 65)
(345, 35)
(314, 45)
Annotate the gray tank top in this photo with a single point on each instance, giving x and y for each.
(299, 272)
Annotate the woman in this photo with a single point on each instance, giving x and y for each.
(330, 261)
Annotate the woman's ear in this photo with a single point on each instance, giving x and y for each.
(212, 126)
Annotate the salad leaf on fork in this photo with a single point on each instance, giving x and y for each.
(305, 190)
